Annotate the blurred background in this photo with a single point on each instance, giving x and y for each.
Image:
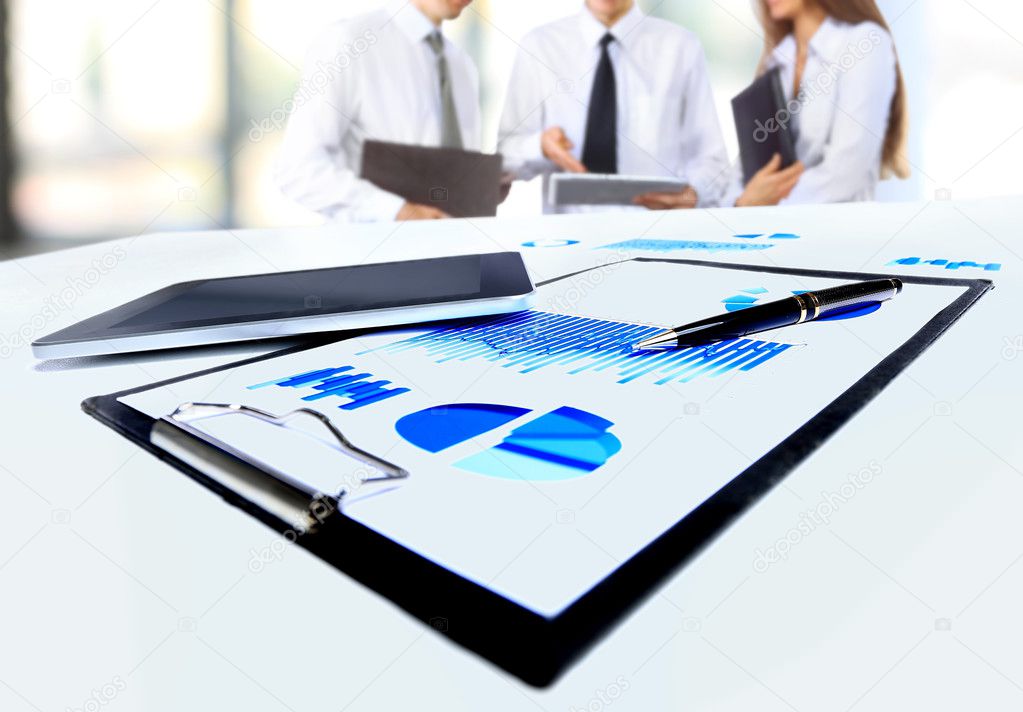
(129, 116)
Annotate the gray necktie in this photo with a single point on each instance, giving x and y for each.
(450, 134)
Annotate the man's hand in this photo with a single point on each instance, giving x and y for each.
(418, 211)
(685, 198)
(557, 148)
(770, 185)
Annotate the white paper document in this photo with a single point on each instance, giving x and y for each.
(543, 452)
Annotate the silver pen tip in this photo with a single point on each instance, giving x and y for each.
(666, 340)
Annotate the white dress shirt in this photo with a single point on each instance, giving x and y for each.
(371, 77)
(667, 124)
(841, 117)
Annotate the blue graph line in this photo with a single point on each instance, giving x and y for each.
(773, 236)
(327, 383)
(550, 242)
(673, 245)
(947, 264)
(529, 341)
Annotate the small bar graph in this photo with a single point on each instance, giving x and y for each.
(356, 388)
(772, 236)
(532, 340)
(652, 245)
(948, 264)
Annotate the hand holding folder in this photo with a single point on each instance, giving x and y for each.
(763, 125)
(463, 184)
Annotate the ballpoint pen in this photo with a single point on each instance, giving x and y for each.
(773, 315)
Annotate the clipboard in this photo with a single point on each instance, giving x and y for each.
(533, 647)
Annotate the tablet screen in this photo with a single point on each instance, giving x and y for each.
(334, 291)
(342, 289)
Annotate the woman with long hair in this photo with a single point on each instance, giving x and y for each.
(846, 102)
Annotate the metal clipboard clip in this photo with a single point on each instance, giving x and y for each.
(289, 499)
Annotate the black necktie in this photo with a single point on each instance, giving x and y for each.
(600, 150)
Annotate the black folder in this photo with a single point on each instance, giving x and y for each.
(464, 184)
(763, 124)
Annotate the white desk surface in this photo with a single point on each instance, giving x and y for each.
(123, 582)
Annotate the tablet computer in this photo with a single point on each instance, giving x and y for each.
(262, 306)
(606, 189)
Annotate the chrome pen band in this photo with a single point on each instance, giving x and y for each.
(816, 305)
(809, 307)
(802, 308)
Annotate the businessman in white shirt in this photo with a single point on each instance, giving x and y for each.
(387, 75)
(610, 90)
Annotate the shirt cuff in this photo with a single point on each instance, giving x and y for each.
(376, 204)
(721, 192)
(731, 194)
(523, 156)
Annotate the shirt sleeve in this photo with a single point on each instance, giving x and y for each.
(704, 160)
(522, 120)
(313, 169)
(733, 186)
(852, 155)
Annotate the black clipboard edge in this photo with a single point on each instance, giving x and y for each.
(535, 648)
(637, 579)
(502, 631)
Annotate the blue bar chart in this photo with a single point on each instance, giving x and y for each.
(947, 264)
(533, 340)
(772, 236)
(654, 245)
(337, 382)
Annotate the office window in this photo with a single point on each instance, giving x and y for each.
(116, 116)
(138, 115)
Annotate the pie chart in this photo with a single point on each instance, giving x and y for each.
(562, 444)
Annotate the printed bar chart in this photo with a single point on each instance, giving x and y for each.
(530, 341)
(948, 264)
(337, 382)
(655, 245)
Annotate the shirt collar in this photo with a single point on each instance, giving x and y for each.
(825, 43)
(827, 40)
(410, 20)
(593, 29)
